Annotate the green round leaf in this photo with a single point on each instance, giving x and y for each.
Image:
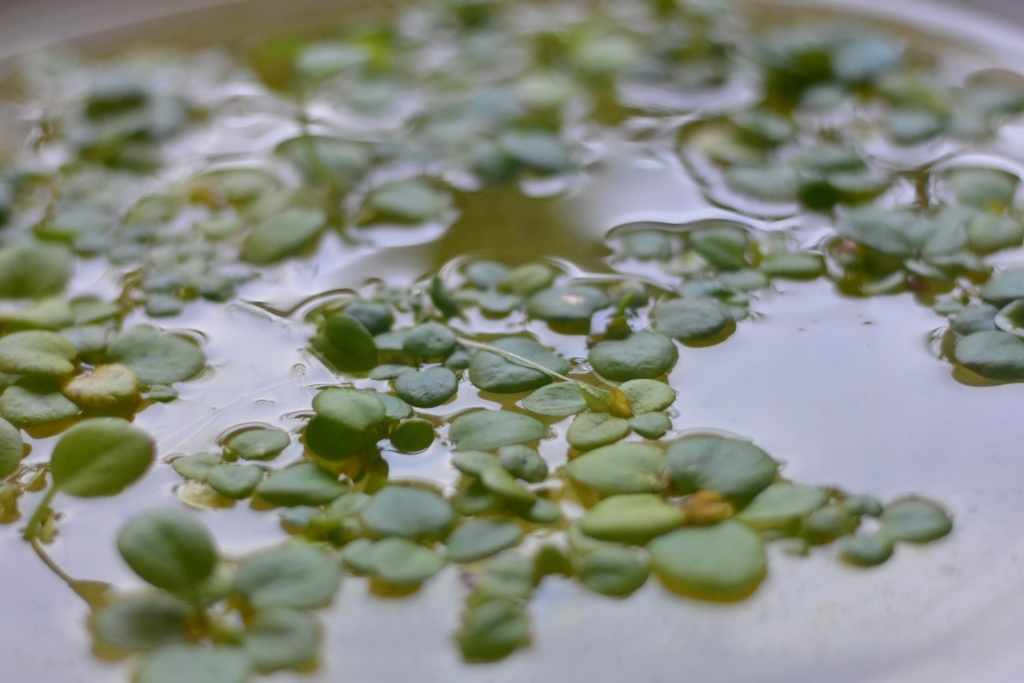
(690, 319)
(401, 562)
(523, 463)
(377, 318)
(647, 395)
(105, 388)
(283, 235)
(643, 355)
(296, 575)
(12, 448)
(475, 539)
(37, 352)
(989, 232)
(426, 388)
(632, 518)
(303, 484)
(737, 469)
(410, 201)
(556, 400)
(492, 372)
(412, 513)
(346, 343)
(234, 481)
(196, 466)
(1004, 287)
(615, 572)
(996, 354)
(571, 303)
(100, 457)
(866, 550)
(793, 266)
(782, 502)
(168, 548)
(619, 468)
(258, 444)
(492, 630)
(721, 562)
(143, 623)
(412, 436)
(915, 520)
(29, 403)
(196, 664)
(282, 638)
(429, 341)
(651, 425)
(32, 270)
(158, 358)
(591, 430)
(486, 430)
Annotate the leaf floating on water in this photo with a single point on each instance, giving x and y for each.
(258, 444)
(615, 572)
(631, 518)
(12, 449)
(413, 513)
(303, 484)
(143, 623)
(491, 371)
(619, 468)
(282, 638)
(32, 270)
(37, 352)
(736, 469)
(100, 457)
(283, 235)
(158, 358)
(169, 549)
(175, 663)
(556, 400)
(721, 562)
(997, 355)
(915, 520)
(493, 630)
(297, 576)
(486, 430)
(643, 355)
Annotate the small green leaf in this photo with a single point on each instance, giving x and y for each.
(168, 548)
(989, 232)
(12, 449)
(642, 355)
(413, 513)
(619, 468)
(631, 518)
(429, 341)
(258, 444)
(915, 520)
(782, 502)
(567, 304)
(648, 395)
(100, 457)
(493, 372)
(651, 425)
(196, 466)
(426, 388)
(401, 562)
(492, 630)
(1005, 287)
(282, 638)
(196, 664)
(303, 484)
(721, 562)
(295, 575)
(509, 574)
(37, 352)
(997, 355)
(234, 481)
(106, 387)
(158, 358)
(866, 550)
(143, 623)
(410, 201)
(486, 430)
(499, 481)
(476, 539)
(556, 400)
(591, 430)
(412, 436)
(793, 265)
(523, 463)
(346, 343)
(615, 572)
(377, 318)
(690, 319)
(30, 403)
(283, 234)
(723, 247)
(32, 270)
(737, 469)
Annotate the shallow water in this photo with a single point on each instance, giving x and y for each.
(845, 391)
